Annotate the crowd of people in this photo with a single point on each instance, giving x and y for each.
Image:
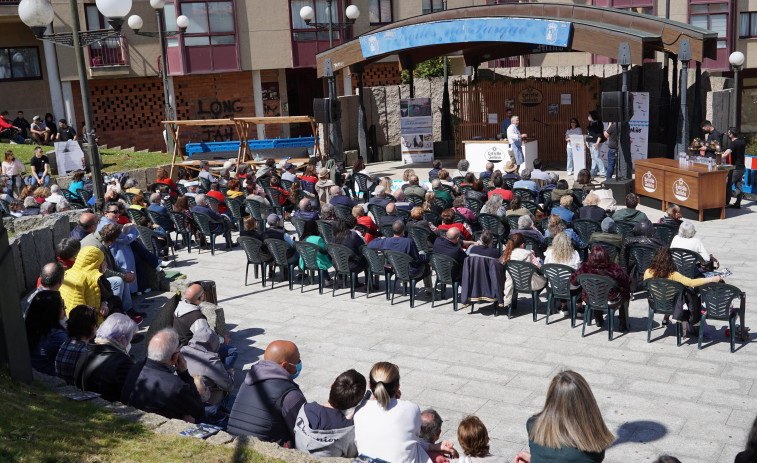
(81, 320)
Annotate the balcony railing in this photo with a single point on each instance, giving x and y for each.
(109, 52)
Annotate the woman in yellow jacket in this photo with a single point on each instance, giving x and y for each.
(662, 266)
(80, 282)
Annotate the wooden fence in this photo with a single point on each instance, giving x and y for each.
(545, 107)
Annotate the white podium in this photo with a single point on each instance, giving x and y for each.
(498, 152)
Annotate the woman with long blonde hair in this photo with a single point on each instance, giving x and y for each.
(516, 250)
(570, 428)
(387, 427)
(562, 252)
(428, 204)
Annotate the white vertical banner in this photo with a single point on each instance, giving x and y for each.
(578, 151)
(68, 156)
(639, 129)
(417, 128)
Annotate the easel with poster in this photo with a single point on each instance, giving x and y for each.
(68, 156)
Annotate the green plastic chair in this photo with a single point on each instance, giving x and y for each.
(203, 222)
(340, 259)
(584, 228)
(136, 215)
(497, 228)
(279, 249)
(521, 273)
(558, 287)
(252, 249)
(213, 204)
(687, 262)
(597, 289)
(624, 228)
(309, 263)
(420, 236)
(342, 212)
(665, 232)
(432, 217)
(444, 266)
(663, 295)
(299, 225)
(324, 229)
(717, 298)
(376, 267)
(400, 263)
(181, 226)
(256, 210)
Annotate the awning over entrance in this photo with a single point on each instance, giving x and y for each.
(490, 32)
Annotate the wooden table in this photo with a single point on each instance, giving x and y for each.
(694, 187)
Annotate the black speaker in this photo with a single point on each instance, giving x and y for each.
(620, 188)
(326, 111)
(612, 108)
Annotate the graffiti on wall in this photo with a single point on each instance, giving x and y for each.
(218, 109)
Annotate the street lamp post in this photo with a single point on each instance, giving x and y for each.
(182, 22)
(737, 60)
(308, 14)
(38, 14)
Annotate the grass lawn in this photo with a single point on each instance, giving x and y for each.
(113, 161)
(39, 425)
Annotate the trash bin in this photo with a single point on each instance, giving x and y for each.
(209, 286)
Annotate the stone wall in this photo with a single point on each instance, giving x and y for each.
(144, 176)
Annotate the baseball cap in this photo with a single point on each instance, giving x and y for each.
(273, 219)
(36, 118)
(289, 166)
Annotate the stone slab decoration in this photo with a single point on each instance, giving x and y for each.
(20, 278)
(28, 256)
(60, 229)
(44, 250)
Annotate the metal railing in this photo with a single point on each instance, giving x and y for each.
(113, 51)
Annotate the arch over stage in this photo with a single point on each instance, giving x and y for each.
(483, 33)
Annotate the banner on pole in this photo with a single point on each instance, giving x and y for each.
(417, 127)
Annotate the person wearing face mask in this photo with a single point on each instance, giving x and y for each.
(105, 364)
(81, 327)
(45, 330)
(327, 430)
(594, 137)
(268, 402)
(162, 384)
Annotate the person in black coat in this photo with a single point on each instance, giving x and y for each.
(161, 383)
(106, 363)
(345, 235)
(449, 246)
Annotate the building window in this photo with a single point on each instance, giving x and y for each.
(20, 63)
(431, 6)
(380, 11)
(301, 32)
(712, 16)
(747, 25)
(210, 23)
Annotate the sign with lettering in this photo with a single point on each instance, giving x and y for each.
(681, 190)
(530, 97)
(417, 130)
(649, 182)
(495, 154)
(467, 30)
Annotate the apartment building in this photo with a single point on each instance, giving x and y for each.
(257, 57)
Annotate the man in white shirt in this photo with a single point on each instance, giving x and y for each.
(516, 140)
(205, 172)
(537, 173)
(289, 173)
(40, 132)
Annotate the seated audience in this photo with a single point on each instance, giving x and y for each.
(643, 233)
(55, 195)
(608, 235)
(672, 216)
(87, 224)
(217, 379)
(630, 214)
(429, 203)
(591, 210)
(224, 227)
(414, 187)
(215, 193)
(45, 330)
(517, 208)
(344, 235)
(436, 167)
(448, 221)
(305, 210)
(162, 177)
(338, 198)
(417, 220)
(477, 191)
(106, 362)
(31, 207)
(391, 215)
(311, 235)
(537, 173)
(556, 225)
(526, 182)
(139, 203)
(50, 279)
(484, 246)
(399, 200)
(445, 180)
(47, 208)
(439, 192)
(563, 210)
(328, 430)
(499, 188)
(516, 250)
(584, 181)
(431, 430)
(561, 189)
(474, 439)
(250, 228)
(161, 383)
(526, 227)
(81, 283)
(462, 168)
(269, 401)
(686, 239)
(327, 212)
(449, 245)
(570, 427)
(511, 170)
(81, 327)
(599, 263)
(366, 221)
(562, 252)
(494, 206)
(155, 206)
(323, 186)
(132, 186)
(387, 427)
(458, 205)
(63, 206)
(419, 268)
(379, 196)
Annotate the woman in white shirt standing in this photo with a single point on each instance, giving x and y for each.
(575, 129)
(387, 427)
(13, 168)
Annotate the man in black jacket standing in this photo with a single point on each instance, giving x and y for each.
(268, 402)
(161, 383)
(736, 149)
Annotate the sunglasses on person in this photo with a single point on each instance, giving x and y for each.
(112, 211)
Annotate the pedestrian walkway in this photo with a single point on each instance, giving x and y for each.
(656, 398)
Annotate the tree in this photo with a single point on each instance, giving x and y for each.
(431, 68)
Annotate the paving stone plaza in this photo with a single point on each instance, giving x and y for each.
(657, 398)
